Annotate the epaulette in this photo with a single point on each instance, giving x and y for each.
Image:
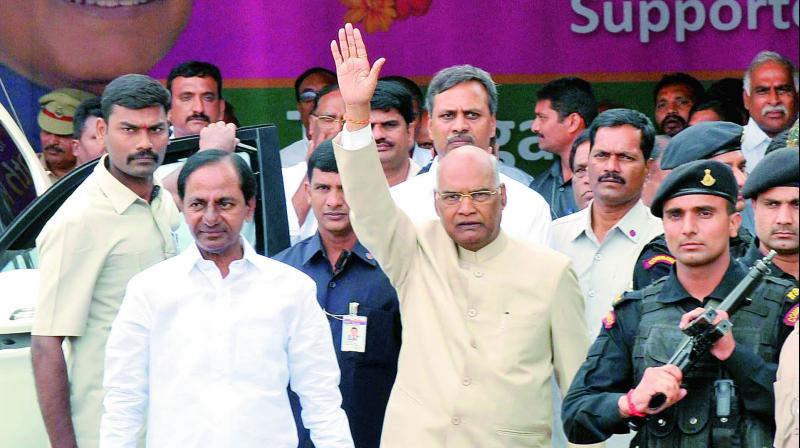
(627, 297)
(669, 260)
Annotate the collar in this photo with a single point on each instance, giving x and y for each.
(555, 172)
(753, 133)
(191, 257)
(121, 197)
(488, 252)
(313, 246)
(673, 291)
(630, 225)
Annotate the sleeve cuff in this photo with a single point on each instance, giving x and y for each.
(352, 141)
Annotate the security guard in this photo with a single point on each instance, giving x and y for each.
(727, 399)
(774, 188)
(716, 140)
(56, 113)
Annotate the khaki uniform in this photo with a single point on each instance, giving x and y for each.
(102, 235)
(482, 331)
(786, 394)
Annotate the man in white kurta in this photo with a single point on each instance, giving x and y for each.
(205, 344)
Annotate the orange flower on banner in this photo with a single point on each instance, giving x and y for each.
(407, 8)
(377, 15)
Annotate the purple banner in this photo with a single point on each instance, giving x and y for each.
(258, 40)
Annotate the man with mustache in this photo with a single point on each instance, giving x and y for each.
(196, 89)
(116, 223)
(345, 272)
(674, 95)
(604, 239)
(774, 189)
(713, 140)
(727, 400)
(462, 101)
(393, 127)
(770, 95)
(564, 108)
(56, 128)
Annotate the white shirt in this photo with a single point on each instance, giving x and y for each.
(605, 269)
(421, 156)
(294, 153)
(293, 178)
(526, 216)
(208, 359)
(754, 144)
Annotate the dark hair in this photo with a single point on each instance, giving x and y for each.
(568, 96)
(613, 118)
(413, 88)
(450, 77)
(230, 114)
(729, 90)
(725, 110)
(325, 90)
(695, 88)
(196, 69)
(323, 159)
(312, 71)
(392, 95)
(247, 181)
(582, 138)
(88, 108)
(133, 92)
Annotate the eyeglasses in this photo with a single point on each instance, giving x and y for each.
(308, 95)
(480, 196)
(328, 121)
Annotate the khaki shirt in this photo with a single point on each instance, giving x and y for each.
(100, 237)
(604, 269)
(482, 331)
(786, 393)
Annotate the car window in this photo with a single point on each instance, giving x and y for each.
(16, 181)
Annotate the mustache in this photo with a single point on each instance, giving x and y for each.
(673, 117)
(611, 177)
(381, 141)
(778, 108)
(146, 154)
(54, 148)
(461, 138)
(198, 116)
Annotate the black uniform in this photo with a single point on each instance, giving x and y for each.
(642, 331)
(655, 260)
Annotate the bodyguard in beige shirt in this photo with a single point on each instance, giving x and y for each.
(486, 318)
(116, 224)
(605, 239)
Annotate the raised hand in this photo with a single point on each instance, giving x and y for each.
(356, 79)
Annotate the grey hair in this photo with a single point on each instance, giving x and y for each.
(495, 164)
(449, 77)
(769, 56)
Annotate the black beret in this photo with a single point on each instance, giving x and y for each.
(780, 168)
(698, 177)
(702, 141)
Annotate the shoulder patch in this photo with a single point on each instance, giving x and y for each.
(792, 294)
(609, 320)
(660, 258)
(790, 318)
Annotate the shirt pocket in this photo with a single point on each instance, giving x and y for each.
(514, 437)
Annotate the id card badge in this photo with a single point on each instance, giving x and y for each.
(354, 333)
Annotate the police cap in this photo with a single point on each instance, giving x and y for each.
(58, 109)
(697, 177)
(780, 168)
(702, 141)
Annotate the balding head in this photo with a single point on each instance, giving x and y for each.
(472, 221)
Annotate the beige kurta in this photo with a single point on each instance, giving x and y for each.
(482, 331)
(102, 235)
(786, 393)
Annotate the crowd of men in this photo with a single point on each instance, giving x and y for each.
(432, 296)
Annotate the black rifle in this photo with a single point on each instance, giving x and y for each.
(701, 333)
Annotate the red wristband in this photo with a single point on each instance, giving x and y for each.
(632, 408)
